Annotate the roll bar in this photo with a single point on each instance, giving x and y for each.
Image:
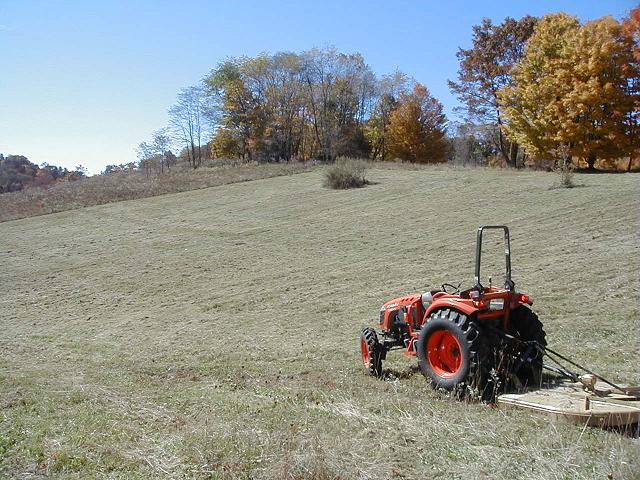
(508, 283)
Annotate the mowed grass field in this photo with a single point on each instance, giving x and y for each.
(214, 333)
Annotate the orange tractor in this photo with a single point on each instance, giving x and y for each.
(477, 341)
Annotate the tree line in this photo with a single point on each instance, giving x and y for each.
(317, 104)
(531, 90)
(552, 88)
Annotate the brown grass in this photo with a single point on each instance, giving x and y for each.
(214, 334)
(102, 189)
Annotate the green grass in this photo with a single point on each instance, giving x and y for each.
(213, 333)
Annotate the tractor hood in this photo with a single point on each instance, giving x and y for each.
(401, 302)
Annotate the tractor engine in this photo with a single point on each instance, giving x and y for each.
(397, 316)
(402, 314)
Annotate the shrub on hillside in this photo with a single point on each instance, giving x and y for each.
(346, 173)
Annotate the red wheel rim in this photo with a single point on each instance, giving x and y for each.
(444, 353)
(366, 358)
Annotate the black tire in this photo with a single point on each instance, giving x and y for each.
(525, 325)
(371, 351)
(469, 376)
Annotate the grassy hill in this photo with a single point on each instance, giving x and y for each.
(213, 333)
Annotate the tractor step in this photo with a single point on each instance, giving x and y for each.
(598, 406)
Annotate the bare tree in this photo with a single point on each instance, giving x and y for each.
(189, 120)
(146, 152)
(161, 145)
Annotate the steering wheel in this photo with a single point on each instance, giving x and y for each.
(455, 289)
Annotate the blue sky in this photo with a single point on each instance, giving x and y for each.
(86, 81)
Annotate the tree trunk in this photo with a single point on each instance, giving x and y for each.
(513, 154)
(503, 150)
(314, 113)
(193, 154)
(591, 162)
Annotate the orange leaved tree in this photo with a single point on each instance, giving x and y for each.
(417, 128)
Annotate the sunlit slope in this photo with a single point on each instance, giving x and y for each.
(207, 332)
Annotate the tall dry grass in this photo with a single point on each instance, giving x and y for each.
(101, 189)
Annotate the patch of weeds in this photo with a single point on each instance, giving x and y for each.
(564, 169)
(211, 307)
(565, 176)
(229, 457)
(8, 440)
(64, 462)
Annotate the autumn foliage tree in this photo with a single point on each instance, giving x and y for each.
(17, 173)
(631, 28)
(290, 105)
(572, 90)
(417, 128)
(389, 89)
(239, 113)
(485, 69)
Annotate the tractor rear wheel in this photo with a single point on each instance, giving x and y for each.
(525, 325)
(452, 353)
(371, 352)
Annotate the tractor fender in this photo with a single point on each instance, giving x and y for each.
(459, 304)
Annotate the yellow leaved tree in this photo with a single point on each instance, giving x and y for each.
(573, 91)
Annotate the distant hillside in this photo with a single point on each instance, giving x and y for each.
(17, 173)
(101, 189)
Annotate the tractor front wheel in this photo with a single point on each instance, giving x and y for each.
(451, 352)
(371, 352)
